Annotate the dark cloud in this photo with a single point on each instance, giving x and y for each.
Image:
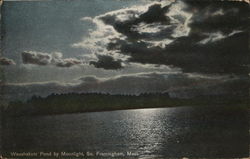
(56, 59)
(230, 55)
(230, 88)
(204, 37)
(6, 61)
(36, 58)
(154, 15)
(90, 79)
(106, 62)
(224, 16)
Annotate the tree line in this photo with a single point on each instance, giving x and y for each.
(91, 102)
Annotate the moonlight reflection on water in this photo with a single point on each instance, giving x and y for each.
(162, 132)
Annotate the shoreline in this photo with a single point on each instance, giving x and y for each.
(231, 105)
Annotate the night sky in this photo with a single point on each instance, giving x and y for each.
(186, 48)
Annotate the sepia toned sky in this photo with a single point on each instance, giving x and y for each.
(125, 47)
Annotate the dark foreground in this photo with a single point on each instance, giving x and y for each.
(142, 133)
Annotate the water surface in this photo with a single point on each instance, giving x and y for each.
(152, 133)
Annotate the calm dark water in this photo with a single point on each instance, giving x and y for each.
(149, 133)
